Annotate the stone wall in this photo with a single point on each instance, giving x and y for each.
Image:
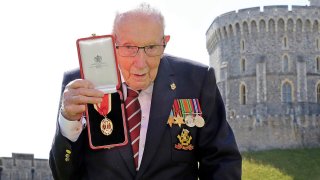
(276, 132)
(24, 167)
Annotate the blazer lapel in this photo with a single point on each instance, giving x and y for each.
(162, 99)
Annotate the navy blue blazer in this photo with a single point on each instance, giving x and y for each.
(215, 154)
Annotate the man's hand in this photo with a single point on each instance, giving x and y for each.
(76, 95)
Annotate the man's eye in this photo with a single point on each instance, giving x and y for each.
(151, 47)
(130, 47)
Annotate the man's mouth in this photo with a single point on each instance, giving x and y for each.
(139, 75)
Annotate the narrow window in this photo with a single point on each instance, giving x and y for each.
(243, 94)
(242, 45)
(286, 92)
(285, 42)
(243, 65)
(318, 94)
(285, 64)
(318, 64)
(318, 46)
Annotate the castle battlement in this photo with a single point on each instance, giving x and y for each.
(254, 20)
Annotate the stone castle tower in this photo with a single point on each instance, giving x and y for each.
(267, 64)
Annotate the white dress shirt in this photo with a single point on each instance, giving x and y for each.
(73, 129)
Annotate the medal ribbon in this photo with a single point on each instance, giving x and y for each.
(175, 107)
(182, 108)
(196, 106)
(191, 110)
(187, 106)
(105, 106)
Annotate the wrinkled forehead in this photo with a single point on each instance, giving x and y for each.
(139, 26)
(135, 16)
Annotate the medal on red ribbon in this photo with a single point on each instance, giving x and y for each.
(104, 108)
(178, 119)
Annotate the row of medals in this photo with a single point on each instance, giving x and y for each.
(190, 120)
(106, 124)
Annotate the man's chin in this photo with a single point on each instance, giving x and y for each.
(139, 85)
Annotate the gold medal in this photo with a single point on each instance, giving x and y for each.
(189, 121)
(106, 126)
(104, 108)
(199, 121)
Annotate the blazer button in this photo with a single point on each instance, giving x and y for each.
(67, 155)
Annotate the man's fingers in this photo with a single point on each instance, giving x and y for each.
(73, 112)
(79, 99)
(89, 92)
(76, 95)
(80, 83)
(74, 109)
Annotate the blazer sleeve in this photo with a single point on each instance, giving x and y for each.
(218, 155)
(65, 156)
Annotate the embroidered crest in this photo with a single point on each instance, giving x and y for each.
(184, 141)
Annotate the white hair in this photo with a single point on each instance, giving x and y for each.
(144, 9)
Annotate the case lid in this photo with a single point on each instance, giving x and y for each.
(98, 62)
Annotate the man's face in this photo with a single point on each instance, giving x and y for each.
(141, 70)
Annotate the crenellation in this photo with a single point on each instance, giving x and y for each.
(276, 10)
(253, 11)
(246, 18)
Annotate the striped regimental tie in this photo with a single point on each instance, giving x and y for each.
(133, 111)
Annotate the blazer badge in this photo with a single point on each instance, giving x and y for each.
(184, 141)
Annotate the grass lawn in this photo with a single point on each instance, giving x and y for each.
(293, 164)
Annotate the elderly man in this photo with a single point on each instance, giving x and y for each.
(171, 144)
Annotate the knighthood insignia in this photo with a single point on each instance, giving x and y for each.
(184, 141)
(186, 111)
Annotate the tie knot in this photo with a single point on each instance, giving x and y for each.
(132, 93)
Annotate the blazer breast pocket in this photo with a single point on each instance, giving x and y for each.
(183, 140)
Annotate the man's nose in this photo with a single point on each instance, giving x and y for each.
(140, 60)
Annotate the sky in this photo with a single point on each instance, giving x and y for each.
(38, 43)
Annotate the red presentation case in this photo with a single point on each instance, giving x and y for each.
(98, 64)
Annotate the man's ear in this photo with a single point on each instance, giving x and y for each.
(166, 38)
